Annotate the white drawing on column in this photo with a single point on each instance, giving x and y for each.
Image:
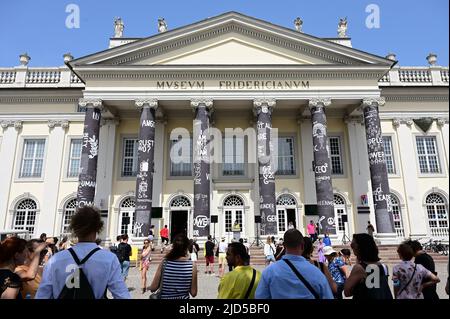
(379, 195)
(142, 189)
(197, 174)
(319, 131)
(267, 174)
(138, 229)
(330, 221)
(145, 145)
(144, 166)
(93, 142)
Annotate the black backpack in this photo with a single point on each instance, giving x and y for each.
(121, 252)
(84, 289)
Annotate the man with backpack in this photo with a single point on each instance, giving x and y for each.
(84, 271)
(124, 253)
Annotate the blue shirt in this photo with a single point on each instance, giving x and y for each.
(327, 241)
(278, 281)
(335, 270)
(102, 270)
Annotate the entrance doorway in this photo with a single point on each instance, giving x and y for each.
(178, 223)
(286, 213)
(340, 215)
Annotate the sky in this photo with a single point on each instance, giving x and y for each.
(409, 28)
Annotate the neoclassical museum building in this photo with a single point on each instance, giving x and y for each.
(331, 134)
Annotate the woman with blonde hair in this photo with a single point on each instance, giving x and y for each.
(269, 251)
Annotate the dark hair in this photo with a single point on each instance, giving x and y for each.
(86, 221)
(346, 252)
(366, 250)
(98, 241)
(180, 245)
(209, 237)
(238, 249)
(414, 244)
(118, 237)
(10, 246)
(293, 238)
(241, 240)
(43, 235)
(308, 247)
(55, 239)
(124, 237)
(405, 252)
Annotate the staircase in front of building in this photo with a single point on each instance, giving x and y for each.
(388, 255)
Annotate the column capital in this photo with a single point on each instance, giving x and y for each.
(146, 103)
(53, 123)
(110, 121)
(202, 102)
(7, 123)
(441, 121)
(91, 103)
(269, 102)
(377, 101)
(396, 122)
(322, 101)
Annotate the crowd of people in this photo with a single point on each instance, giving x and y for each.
(43, 269)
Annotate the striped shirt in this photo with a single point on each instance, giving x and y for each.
(177, 279)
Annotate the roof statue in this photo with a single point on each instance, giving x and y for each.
(118, 28)
(162, 25)
(342, 28)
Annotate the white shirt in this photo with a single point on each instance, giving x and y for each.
(102, 270)
(269, 249)
(223, 247)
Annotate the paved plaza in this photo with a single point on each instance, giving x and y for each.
(207, 285)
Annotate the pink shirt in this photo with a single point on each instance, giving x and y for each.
(311, 229)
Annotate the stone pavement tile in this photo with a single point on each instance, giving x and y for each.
(207, 284)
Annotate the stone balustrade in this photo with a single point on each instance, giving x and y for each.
(415, 76)
(17, 77)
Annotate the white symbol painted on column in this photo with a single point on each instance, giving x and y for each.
(93, 142)
(319, 131)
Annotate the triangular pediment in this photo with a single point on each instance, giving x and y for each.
(230, 39)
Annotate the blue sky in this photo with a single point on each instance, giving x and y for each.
(411, 28)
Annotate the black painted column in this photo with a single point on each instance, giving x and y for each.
(377, 163)
(266, 170)
(89, 152)
(322, 165)
(144, 177)
(201, 154)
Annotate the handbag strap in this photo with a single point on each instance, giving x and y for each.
(252, 283)
(410, 279)
(302, 279)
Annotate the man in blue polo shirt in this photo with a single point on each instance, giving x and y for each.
(293, 277)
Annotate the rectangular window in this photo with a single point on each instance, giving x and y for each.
(428, 154)
(33, 158)
(233, 156)
(389, 154)
(74, 158)
(130, 157)
(286, 158)
(180, 157)
(336, 155)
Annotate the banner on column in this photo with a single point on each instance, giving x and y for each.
(144, 178)
(89, 156)
(322, 171)
(378, 170)
(201, 173)
(266, 172)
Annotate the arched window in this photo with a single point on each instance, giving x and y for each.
(339, 209)
(437, 215)
(69, 211)
(127, 215)
(180, 201)
(286, 200)
(397, 216)
(233, 200)
(233, 209)
(25, 215)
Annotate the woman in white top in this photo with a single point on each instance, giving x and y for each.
(223, 246)
(269, 251)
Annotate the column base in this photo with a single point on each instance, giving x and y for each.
(386, 239)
